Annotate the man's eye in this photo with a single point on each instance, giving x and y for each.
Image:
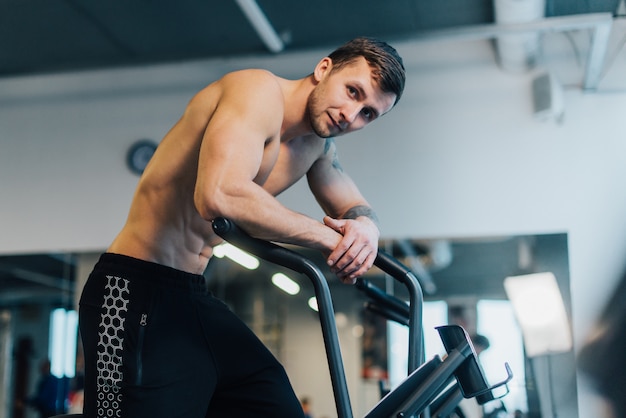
(367, 113)
(352, 91)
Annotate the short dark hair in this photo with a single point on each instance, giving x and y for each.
(385, 61)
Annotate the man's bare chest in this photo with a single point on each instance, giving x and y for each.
(293, 160)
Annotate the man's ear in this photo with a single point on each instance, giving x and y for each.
(322, 69)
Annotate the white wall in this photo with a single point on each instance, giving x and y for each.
(460, 156)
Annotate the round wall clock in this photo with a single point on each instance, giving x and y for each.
(139, 155)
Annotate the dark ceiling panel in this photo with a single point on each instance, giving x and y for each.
(312, 24)
(40, 36)
(68, 35)
(432, 15)
(571, 7)
(163, 30)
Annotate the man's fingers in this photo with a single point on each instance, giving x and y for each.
(336, 224)
(355, 253)
(343, 255)
(340, 256)
(358, 266)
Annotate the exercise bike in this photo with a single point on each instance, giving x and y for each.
(432, 388)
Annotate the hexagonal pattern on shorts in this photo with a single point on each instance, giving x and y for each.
(111, 329)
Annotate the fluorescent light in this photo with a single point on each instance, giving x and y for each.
(261, 24)
(285, 284)
(238, 256)
(540, 311)
(313, 303)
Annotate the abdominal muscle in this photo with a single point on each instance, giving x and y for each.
(163, 225)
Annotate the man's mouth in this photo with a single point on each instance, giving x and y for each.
(334, 123)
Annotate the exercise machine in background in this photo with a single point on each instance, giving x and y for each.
(432, 388)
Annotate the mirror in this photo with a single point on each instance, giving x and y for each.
(462, 280)
(463, 283)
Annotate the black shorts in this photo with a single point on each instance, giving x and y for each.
(157, 344)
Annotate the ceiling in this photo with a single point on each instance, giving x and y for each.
(43, 36)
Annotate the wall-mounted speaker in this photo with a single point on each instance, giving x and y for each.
(548, 101)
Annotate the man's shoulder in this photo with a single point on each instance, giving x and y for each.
(256, 85)
(252, 76)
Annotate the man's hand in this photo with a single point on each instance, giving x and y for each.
(357, 250)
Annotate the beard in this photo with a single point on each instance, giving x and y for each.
(316, 117)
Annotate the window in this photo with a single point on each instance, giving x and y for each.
(63, 337)
(496, 321)
(434, 314)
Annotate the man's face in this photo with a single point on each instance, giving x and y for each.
(346, 100)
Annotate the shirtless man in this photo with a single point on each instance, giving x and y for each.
(156, 344)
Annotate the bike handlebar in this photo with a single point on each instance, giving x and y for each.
(277, 254)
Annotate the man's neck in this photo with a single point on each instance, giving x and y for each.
(296, 121)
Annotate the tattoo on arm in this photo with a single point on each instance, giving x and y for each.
(335, 161)
(356, 211)
(327, 144)
(361, 210)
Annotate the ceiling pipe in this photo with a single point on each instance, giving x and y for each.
(597, 53)
(599, 23)
(261, 24)
(519, 52)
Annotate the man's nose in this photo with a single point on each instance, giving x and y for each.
(350, 113)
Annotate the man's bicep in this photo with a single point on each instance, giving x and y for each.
(246, 116)
(230, 158)
(233, 149)
(244, 120)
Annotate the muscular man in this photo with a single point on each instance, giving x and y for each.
(156, 345)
